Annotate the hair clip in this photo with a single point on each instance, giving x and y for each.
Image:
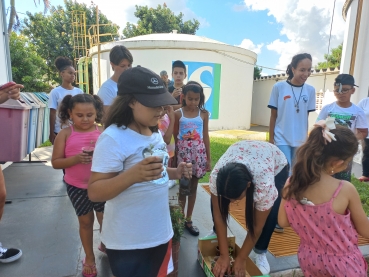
(327, 125)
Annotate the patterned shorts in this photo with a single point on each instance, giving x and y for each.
(193, 151)
(81, 203)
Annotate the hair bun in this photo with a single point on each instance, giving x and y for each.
(62, 62)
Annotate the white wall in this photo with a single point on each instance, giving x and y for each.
(261, 93)
(361, 68)
(236, 80)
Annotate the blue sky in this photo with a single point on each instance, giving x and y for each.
(274, 29)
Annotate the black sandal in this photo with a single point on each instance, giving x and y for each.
(193, 230)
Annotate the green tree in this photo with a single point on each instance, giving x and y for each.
(27, 67)
(159, 20)
(52, 34)
(334, 59)
(13, 17)
(257, 72)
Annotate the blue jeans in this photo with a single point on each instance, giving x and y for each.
(365, 160)
(261, 245)
(290, 153)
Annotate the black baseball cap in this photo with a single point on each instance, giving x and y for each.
(345, 79)
(146, 86)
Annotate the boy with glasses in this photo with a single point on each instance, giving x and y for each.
(346, 114)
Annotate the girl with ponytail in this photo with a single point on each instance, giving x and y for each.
(290, 103)
(256, 170)
(73, 151)
(325, 212)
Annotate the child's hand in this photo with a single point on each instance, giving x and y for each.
(83, 158)
(208, 165)
(148, 169)
(184, 169)
(239, 267)
(176, 92)
(170, 112)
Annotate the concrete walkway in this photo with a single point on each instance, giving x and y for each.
(42, 222)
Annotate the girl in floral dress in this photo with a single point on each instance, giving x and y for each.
(191, 131)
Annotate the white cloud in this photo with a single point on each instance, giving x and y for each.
(306, 24)
(121, 12)
(248, 44)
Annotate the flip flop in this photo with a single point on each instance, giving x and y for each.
(101, 249)
(193, 230)
(93, 267)
(364, 179)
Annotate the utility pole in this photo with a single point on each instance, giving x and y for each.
(5, 65)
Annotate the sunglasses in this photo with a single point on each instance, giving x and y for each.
(342, 91)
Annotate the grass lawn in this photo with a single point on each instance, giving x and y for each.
(45, 144)
(363, 189)
(217, 148)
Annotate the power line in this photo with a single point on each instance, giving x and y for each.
(329, 41)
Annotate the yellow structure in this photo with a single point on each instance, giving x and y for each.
(80, 49)
(84, 39)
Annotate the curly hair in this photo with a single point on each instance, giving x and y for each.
(62, 63)
(70, 101)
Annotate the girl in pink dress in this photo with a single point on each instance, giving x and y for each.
(325, 212)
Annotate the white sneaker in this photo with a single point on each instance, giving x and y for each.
(171, 183)
(262, 263)
(210, 235)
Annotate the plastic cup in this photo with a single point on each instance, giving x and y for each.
(161, 157)
(147, 154)
(88, 150)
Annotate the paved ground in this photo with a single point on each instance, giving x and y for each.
(41, 221)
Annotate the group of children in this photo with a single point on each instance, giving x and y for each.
(318, 200)
(119, 149)
(151, 136)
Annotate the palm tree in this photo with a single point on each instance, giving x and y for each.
(14, 16)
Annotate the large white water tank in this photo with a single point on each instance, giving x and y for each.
(225, 71)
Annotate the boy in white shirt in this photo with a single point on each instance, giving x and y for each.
(346, 114)
(120, 60)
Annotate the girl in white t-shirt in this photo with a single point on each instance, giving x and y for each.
(290, 103)
(129, 172)
(68, 75)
